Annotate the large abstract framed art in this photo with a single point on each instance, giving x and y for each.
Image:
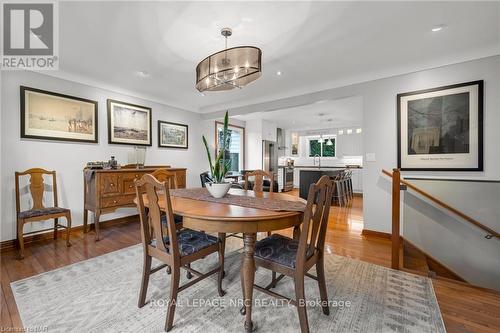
(441, 129)
(48, 115)
(129, 124)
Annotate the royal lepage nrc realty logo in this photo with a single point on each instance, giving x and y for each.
(30, 35)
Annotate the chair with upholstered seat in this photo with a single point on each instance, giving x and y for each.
(38, 212)
(177, 248)
(295, 257)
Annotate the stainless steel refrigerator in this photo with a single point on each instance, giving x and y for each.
(270, 157)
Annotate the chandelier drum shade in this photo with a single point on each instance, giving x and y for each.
(230, 68)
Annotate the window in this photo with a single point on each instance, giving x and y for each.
(236, 150)
(323, 149)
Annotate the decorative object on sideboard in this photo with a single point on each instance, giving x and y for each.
(137, 157)
(218, 168)
(172, 135)
(441, 129)
(230, 68)
(48, 115)
(129, 124)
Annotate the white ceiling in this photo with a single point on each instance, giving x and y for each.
(345, 112)
(315, 44)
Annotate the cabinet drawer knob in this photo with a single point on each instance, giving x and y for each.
(111, 184)
(115, 201)
(130, 186)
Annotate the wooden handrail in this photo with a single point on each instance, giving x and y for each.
(491, 233)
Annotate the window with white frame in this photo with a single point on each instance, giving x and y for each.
(325, 146)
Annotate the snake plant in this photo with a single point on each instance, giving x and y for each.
(220, 166)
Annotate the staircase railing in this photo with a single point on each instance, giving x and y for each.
(399, 184)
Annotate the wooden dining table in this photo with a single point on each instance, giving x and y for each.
(227, 218)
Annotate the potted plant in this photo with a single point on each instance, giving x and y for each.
(218, 168)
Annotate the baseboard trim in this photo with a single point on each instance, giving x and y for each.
(374, 233)
(11, 244)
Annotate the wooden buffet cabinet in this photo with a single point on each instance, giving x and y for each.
(107, 190)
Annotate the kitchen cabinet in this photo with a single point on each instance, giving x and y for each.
(357, 180)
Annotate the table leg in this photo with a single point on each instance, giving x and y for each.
(248, 274)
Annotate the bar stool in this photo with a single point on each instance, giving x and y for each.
(339, 194)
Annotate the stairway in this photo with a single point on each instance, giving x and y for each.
(418, 261)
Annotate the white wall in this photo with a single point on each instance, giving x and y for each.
(68, 159)
(253, 133)
(452, 241)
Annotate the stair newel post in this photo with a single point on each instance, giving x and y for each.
(395, 237)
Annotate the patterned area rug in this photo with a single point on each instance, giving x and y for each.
(100, 295)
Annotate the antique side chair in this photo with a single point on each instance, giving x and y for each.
(177, 248)
(294, 258)
(38, 212)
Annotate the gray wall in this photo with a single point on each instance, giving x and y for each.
(452, 241)
(68, 159)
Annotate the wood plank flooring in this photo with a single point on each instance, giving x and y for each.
(464, 308)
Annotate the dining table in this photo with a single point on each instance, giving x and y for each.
(232, 217)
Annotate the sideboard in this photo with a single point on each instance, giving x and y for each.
(107, 190)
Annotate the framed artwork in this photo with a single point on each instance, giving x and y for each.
(441, 129)
(172, 135)
(48, 115)
(129, 124)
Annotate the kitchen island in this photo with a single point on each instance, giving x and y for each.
(309, 176)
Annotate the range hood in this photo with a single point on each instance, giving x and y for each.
(280, 134)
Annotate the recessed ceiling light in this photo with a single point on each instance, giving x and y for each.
(321, 114)
(437, 28)
(278, 73)
(143, 73)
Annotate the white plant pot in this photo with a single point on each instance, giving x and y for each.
(218, 190)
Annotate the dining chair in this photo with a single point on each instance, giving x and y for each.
(294, 258)
(38, 212)
(177, 248)
(258, 183)
(164, 175)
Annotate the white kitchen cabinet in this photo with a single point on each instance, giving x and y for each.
(357, 180)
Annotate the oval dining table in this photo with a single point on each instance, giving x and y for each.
(227, 218)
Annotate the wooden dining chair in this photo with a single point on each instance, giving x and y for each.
(38, 212)
(177, 248)
(294, 258)
(258, 183)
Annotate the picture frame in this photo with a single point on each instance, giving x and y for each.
(129, 124)
(173, 135)
(47, 115)
(441, 129)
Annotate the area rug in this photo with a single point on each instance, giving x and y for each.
(100, 295)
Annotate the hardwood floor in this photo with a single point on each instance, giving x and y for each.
(464, 308)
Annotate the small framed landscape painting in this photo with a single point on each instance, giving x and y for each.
(172, 135)
(48, 115)
(129, 124)
(441, 129)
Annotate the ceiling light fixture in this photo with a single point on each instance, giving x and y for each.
(143, 73)
(278, 73)
(230, 68)
(329, 142)
(437, 28)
